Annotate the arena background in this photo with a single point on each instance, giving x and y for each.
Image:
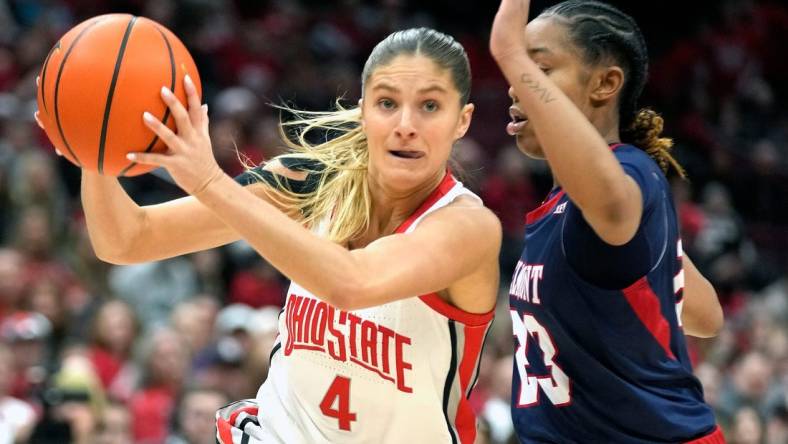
(109, 354)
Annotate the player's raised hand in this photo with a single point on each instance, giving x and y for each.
(508, 30)
(189, 157)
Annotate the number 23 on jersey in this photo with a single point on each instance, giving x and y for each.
(555, 385)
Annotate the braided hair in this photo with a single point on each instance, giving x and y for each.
(604, 34)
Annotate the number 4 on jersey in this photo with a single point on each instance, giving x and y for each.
(338, 394)
(557, 385)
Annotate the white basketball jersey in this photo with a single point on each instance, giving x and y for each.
(396, 373)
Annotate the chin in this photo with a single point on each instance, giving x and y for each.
(403, 180)
(530, 147)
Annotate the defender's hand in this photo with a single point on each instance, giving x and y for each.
(507, 36)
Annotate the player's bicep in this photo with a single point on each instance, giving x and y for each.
(447, 246)
(602, 264)
(638, 192)
(623, 263)
(617, 225)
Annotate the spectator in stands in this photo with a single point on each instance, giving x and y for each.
(17, 417)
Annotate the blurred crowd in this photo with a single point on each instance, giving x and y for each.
(97, 353)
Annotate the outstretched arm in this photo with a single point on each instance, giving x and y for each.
(123, 232)
(454, 244)
(579, 157)
(449, 245)
(701, 314)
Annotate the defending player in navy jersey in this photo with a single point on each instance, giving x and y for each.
(603, 295)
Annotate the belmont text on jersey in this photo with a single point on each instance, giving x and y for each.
(525, 282)
(318, 326)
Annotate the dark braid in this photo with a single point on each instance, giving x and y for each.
(604, 34)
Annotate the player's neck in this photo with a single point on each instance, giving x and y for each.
(609, 131)
(389, 209)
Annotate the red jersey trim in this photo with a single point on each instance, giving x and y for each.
(224, 426)
(225, 431)
(444, 187)
(435, 302)
(715, 437)
(646, 305)
(465, 419)
(544, 209)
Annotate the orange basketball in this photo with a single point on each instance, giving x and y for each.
(98, 80)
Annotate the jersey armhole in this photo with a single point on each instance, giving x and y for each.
(437, 303)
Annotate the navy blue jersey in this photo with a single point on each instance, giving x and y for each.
(600, 356)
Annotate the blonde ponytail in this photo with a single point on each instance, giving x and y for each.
(342, 196)
(645, 132)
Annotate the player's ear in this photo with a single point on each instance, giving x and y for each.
(465, 121)
(607, 83)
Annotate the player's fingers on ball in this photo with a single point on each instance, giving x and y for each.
(57, 151)
(161, 130)
(179, 113)
(38, 81)
(148, 158)
(193, 100)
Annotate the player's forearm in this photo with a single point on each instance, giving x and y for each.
(701, 314)
(578, 155)
(319, 265)
(113, 219)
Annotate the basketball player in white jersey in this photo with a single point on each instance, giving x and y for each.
(394, 264)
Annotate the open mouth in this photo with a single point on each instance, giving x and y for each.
(407, 154)
(519, 120)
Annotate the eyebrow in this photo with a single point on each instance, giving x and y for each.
(433, 88)
(429, 89)
(539, 50)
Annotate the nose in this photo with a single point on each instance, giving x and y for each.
(405, 127)
(512, 95)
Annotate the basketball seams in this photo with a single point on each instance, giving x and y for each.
(93, 90)
(111, 93)
(167, 109)
(41, 87)
(57, 90)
